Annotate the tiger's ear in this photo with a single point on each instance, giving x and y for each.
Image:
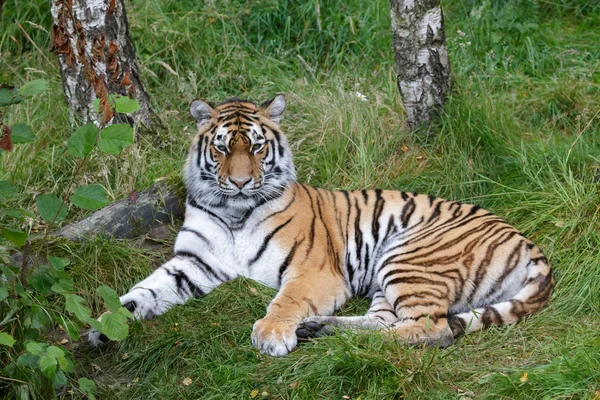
(201, 111)
(273, 109)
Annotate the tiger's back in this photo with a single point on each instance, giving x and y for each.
(431, 258)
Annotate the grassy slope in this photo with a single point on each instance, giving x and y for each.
(521, 137)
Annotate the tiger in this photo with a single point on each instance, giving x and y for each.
(434, 269)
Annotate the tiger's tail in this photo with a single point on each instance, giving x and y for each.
(532, 296)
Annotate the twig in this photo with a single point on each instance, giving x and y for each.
(24, 263)
(35, 45)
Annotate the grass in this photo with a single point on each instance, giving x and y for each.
(520, 136)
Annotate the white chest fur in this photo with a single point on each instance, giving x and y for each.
(245, 250)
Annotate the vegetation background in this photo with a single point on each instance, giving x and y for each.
(520, 136)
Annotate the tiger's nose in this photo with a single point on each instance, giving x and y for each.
(241, 181)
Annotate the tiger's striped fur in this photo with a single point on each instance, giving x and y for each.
(434, 268)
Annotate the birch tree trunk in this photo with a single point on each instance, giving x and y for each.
(96, 56)
(421, 56)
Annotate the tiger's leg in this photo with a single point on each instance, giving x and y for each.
(301, 295)
(183, 277)
(380, 316)
(421, 300)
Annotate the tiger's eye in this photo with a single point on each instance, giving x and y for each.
(221, 148)
(257, 147)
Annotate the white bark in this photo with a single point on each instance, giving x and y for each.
(96, 57)
(421, 57)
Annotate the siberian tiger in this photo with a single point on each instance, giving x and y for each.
(434, 268)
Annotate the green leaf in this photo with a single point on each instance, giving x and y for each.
(17, 237)
(9, 96)
(6, 339)
(114, 138)
(7, 190)
(58, 263)
(28, 360)
(94, 323)
(88, 387)
(34, 87)
(75, 304)
(55, 351)
(125, 312)
(41, 282)
(124, 104)
(65, 364)
(60, 379)
(3, 293)
(82, 141)
(36, 348)
(21, 133)
(12, 213)
(89, 197)
(48, 366)
(50, 206)
(114, 326)
(62, 286)
(110, 297)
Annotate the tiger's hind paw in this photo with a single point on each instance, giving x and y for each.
(311, 329)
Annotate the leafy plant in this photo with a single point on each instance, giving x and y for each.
(41, 311)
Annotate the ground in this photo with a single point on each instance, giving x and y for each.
(520, 136)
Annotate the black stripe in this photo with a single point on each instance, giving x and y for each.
(266, 241)
(288, 260)
(198, 262)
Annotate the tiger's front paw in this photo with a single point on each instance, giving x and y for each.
(274, 338)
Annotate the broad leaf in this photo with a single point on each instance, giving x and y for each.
(9, 96)
(50, 206)
(62, 286)
(48, 366)
(3, 293)
(17, 237)
(21, 133)
(82, 141)
(114, 138)
(36, 348)
(7, 190)
(88, 387)
(60, 379)
(55, 351)
(6, 339)
(94, 323)
(34, 87)
(114, 326)
(110, 297)
(58, 263)
(75, 304)
(124, 104)
(89, 197)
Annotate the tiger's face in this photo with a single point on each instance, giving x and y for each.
(239, 158)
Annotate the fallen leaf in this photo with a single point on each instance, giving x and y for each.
(404, 149)
(254, 393)
(597, 395)
(64, 341)
(293, 385)
(135, 380)
(524, 377)
(133, 197)
(253, 290)
(264, 394)
(187, 381)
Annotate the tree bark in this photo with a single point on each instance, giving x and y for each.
(96, 56)
(422, 66)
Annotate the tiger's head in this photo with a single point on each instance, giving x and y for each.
(240, 158)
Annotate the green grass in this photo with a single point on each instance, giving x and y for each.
(520, 136)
